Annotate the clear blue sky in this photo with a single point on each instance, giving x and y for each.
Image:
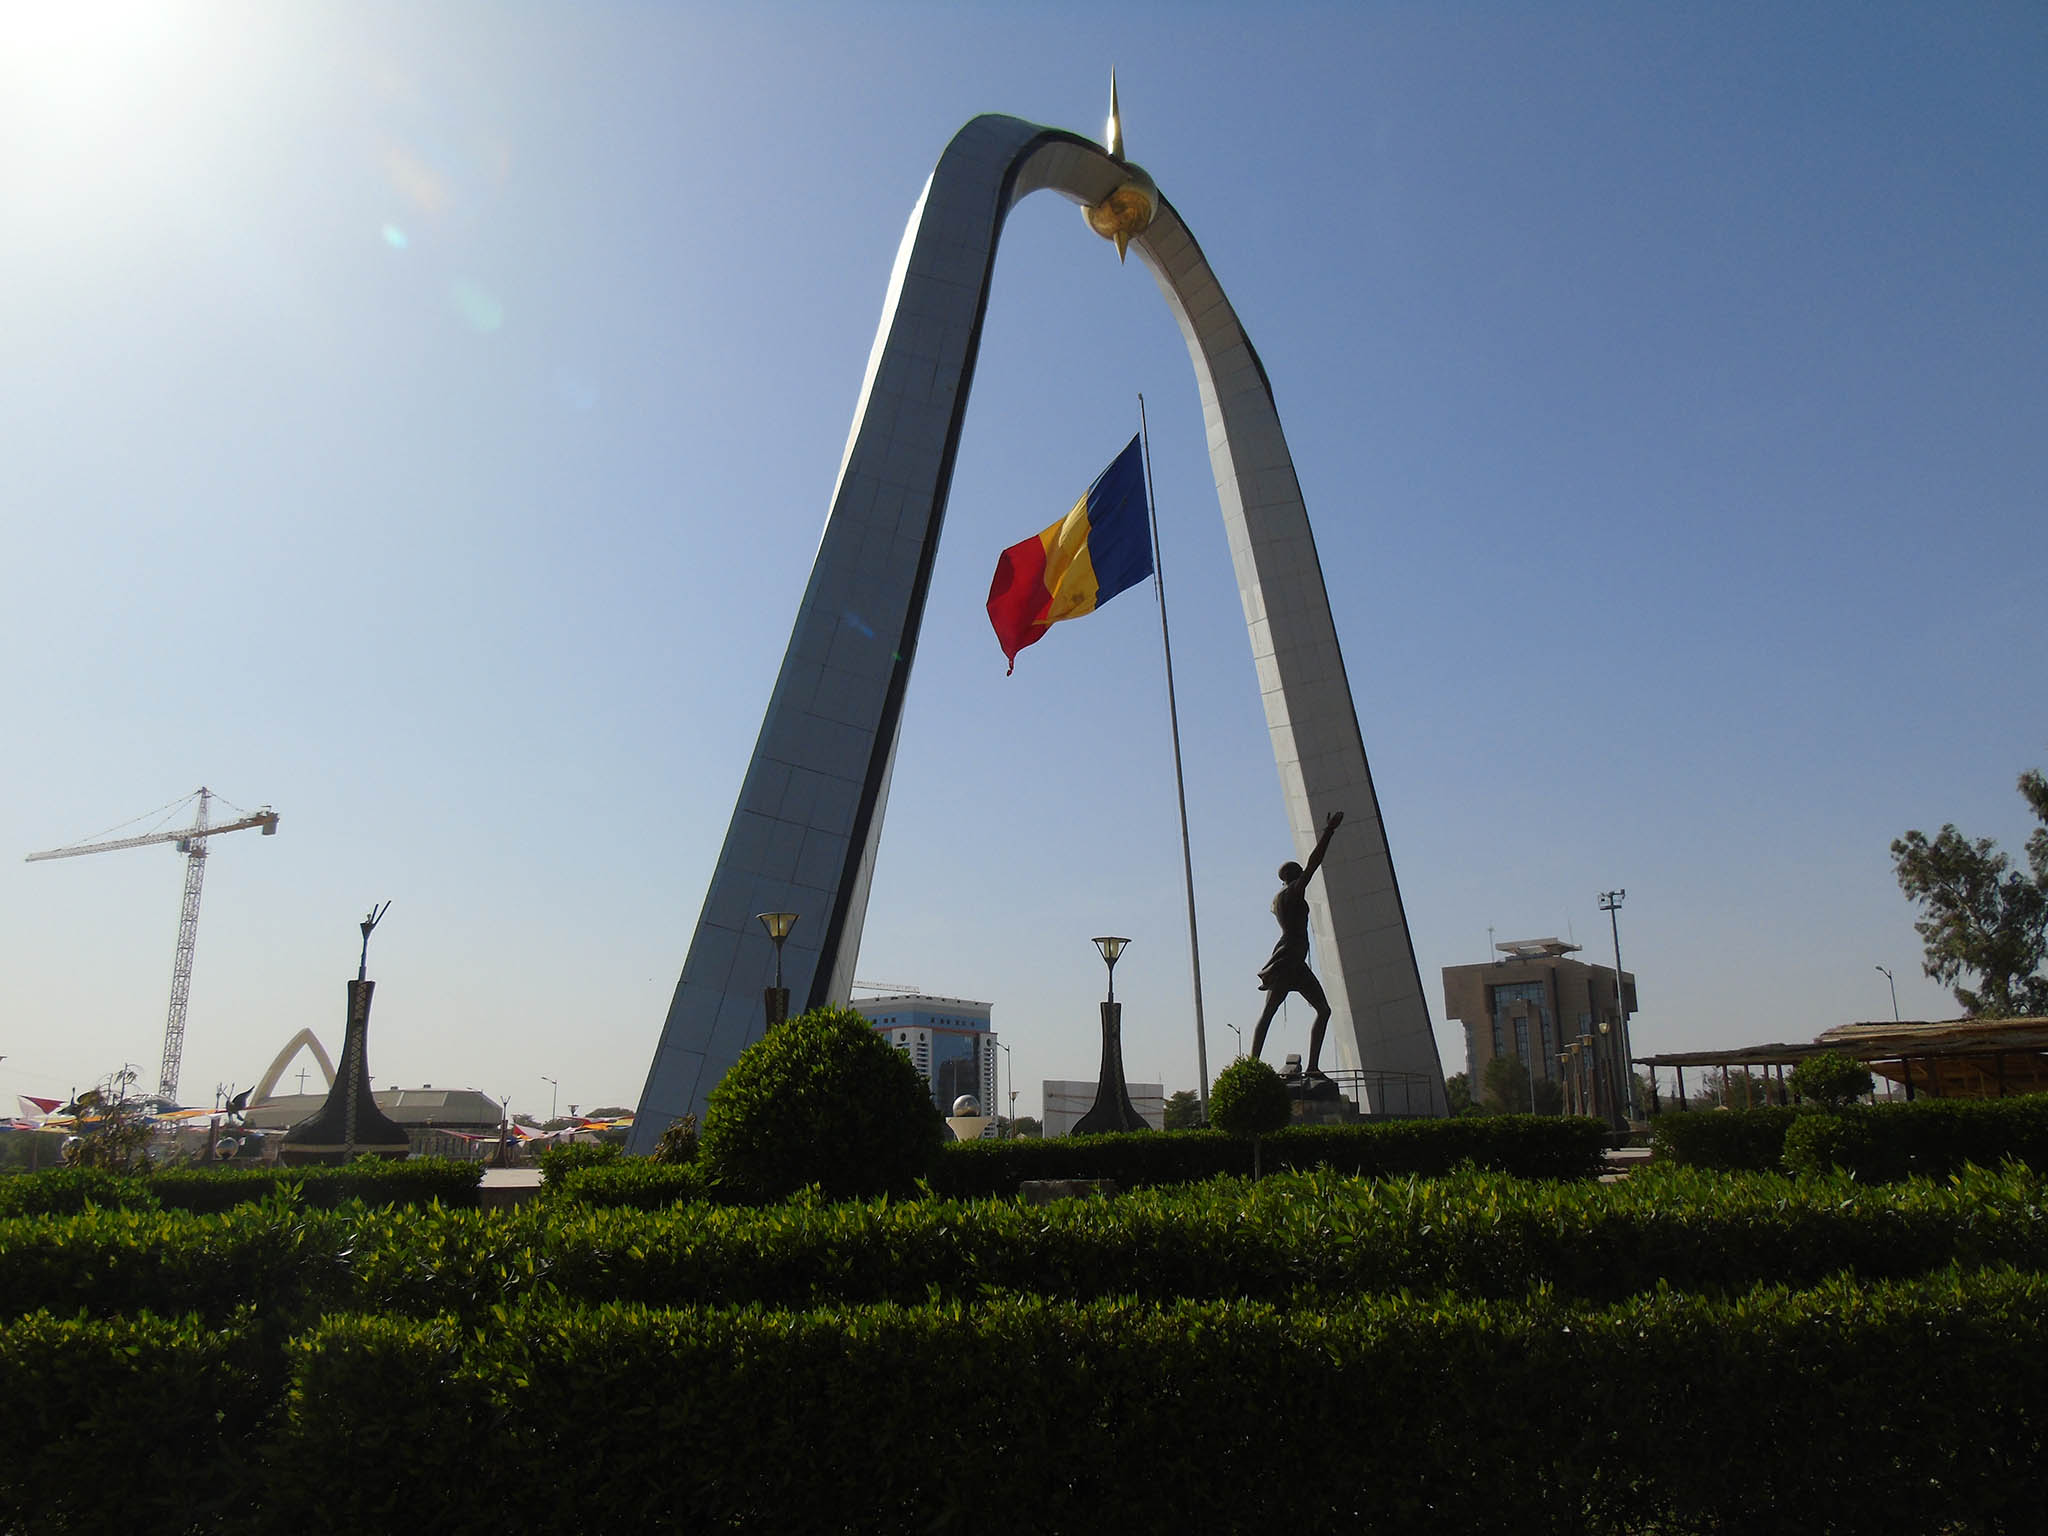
(421, 418)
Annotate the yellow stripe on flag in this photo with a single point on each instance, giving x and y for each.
(1069, 570)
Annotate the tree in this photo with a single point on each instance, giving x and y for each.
(1249, 1099)
(1981, 917)
(1458, 1093)
(1505, 1089)
(1023, 1125)
(1830, 1079)
(112, 1124)
(1504, 1086)
(1183, 1111)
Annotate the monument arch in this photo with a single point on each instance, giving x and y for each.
(805, 832)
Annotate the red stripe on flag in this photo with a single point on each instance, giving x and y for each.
(1017, 599)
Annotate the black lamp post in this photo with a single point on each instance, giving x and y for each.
(1895, 992)
(776, 997)
(1112, 1110)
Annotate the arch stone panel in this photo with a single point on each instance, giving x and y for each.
(804, 833)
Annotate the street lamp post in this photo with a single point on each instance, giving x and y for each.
(554, 1098)
(776, 997)
(1112, 1110)
(1010, 1063)
(1235, 1030)
(1624, 1096)
(1895, 992)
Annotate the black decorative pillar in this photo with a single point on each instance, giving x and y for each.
(349, 1125)
(1112, 1110)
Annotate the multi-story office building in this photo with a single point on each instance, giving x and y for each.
(948, 1039)
(1550, 1012)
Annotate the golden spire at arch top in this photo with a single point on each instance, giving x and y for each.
(1127, 212)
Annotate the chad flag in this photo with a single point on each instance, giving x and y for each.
(1079, 563)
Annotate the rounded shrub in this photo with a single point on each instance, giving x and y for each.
(823, 1100)
(1248, 1099)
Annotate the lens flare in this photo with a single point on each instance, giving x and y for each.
(479, 310)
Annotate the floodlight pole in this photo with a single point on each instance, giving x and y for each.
(1610, 903)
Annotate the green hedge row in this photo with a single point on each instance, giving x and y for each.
(1287, 1238)
(1935, 1137)
(415, 1181)
(1729, 1139)
(1531, 1146)
(1899, 1406)
(637, 1183)
(1932, 1137)
(142, 1423)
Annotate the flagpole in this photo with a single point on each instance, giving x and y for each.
(1187, 862)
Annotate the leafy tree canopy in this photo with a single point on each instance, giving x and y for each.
(1831, 1079)
(1980, 917)
(1183, 1110)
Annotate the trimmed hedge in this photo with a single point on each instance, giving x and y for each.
(416, 1181)
(1530, 1146)
(1734, 1140)
(1292, 1238)
(1932, 1137)
(64, 1191)
(374, 1181)
(636, 1183)
(1906, 1406)
(1874, 1141)
(145, 1423)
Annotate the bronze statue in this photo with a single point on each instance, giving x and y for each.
(1287, 969)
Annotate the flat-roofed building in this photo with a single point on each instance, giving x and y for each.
(950, 1041)
(1545, 1009)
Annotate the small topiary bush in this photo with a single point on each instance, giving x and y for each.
(1830, 1079)
(822, 1100)
(557, 1163)
(1248, 1099)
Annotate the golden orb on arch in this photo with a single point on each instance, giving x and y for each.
(1127, 212)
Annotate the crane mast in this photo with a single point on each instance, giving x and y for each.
(194, 849)
(192, 842)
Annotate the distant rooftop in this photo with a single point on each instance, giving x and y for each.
(913, 1000)
(1536, 949)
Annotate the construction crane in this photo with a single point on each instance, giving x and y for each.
(191, 841)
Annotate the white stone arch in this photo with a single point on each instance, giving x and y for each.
(804, 834)
(303, 1040)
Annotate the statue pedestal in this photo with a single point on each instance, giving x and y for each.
(349, 1125)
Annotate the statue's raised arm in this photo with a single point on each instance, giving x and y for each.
(1315, 859)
